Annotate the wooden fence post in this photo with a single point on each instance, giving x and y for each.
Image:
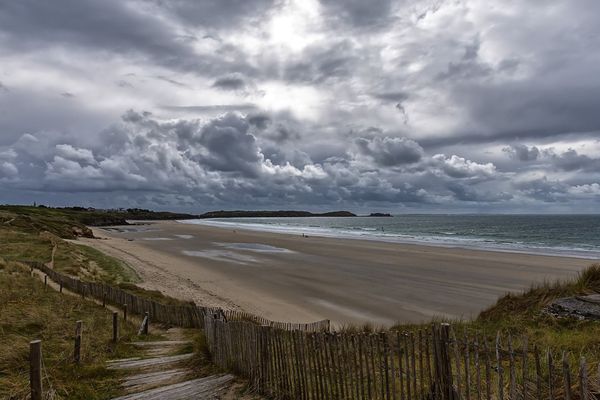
(61, 286)
(125, 312)
(35, 369)
(443, 367)
(583, 379)
(78, 332)
(144, 327)
(104, 299)
(566, 376)
(115, 326)
(45, 281)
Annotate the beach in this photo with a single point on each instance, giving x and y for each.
(290, 277)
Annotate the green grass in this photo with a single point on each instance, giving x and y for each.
(29, 312)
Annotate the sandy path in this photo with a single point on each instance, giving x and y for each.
(290, 278)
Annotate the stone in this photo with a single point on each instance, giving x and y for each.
(580, 307)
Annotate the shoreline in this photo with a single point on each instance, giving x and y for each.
(401, 239)
(289, 278)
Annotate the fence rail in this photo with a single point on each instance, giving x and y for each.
(186, 316)
(427, 364)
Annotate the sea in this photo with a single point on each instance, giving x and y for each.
(558, 235)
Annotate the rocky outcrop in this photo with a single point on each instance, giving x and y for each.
(580, 307)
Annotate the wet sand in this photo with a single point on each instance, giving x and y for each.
(293, 278)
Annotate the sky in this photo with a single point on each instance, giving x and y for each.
(399, 106)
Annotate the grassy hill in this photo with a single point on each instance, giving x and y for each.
(80, 216)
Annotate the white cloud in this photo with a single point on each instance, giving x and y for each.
(459, 167)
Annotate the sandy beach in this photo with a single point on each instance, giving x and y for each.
(293, 278)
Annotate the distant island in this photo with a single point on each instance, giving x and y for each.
(380, 215)
(273, 214)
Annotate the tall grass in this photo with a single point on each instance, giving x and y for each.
(27, 312)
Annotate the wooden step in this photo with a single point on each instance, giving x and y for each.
(206, 388)
(148, 362)
(163, 343)
(123, 360)
(152, 379)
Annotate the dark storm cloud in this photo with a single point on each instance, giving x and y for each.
(469, 66)
(320, 63)
(259, 120)
(391, 151)
(502, 103)
(108, 26)
(467, 193)
(230, 82)
(570, 160)
(540, 111)
(230, 146)
(213, 108)
(394, 97)
(522, 152)
(171, 81)
(214, 13)
(359, 13)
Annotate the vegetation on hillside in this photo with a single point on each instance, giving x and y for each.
(46, 235)
(29, 312)
(79, 217)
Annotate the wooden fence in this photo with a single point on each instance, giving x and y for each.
(186, 316)
(307, 362)
(427, 364)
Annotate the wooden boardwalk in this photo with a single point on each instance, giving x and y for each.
(162, 373)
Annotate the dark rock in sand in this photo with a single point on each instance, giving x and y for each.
(580, 307)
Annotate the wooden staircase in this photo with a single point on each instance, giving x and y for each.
(162, 373)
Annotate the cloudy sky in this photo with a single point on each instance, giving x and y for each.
(404, 106)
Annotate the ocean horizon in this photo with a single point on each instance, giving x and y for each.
(547, 234)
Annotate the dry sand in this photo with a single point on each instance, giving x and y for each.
(290, 278)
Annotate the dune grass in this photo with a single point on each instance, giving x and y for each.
(29, 312)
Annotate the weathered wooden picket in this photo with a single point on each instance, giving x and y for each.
(427, 364)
